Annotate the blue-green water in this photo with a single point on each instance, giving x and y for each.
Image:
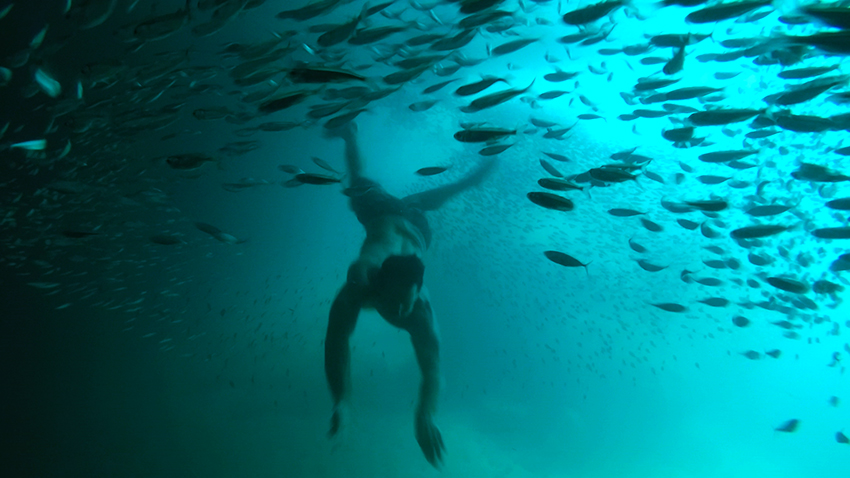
(127, 355)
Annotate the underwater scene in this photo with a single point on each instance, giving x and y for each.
(417, 238)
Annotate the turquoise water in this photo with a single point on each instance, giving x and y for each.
(138, 345)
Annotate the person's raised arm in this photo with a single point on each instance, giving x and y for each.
(353, 158)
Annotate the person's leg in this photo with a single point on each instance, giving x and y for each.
(353, 158)
(434, 198)
(367, 198)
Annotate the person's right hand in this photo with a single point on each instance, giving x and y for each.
(429, 438)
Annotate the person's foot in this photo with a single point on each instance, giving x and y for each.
(346, 132)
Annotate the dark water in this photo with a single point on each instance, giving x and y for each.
(136, 344)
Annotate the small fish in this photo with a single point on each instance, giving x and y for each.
(801, 73)
(565, 260)
(550, 169)
(559, 76)
(651, 226)
(591, 13)
(34, 145)
(722, 116)
(759, 260)
(477, 87)
(557, 157)
(676, 63)
(512, 46)
(437, 86)
(243, 184)
(218, 234)
(740, 321)
(551, 95)
(788, 285)
(312, 178)
(541, 123)
(550, 201)
(711, 179)
(558, 184)
(481, 135)
(611, 175)
(78, 234)
(826, 287)
(708, 281)
(677, 135)
(188, 161)
(817, 173)
(494, 99)
(768, 210)
(5, 11)
(282, 102)
(753, 232)
(162, 26)
(775, 353)
(166, 239)
(322, 164)
(342, 32)
(43, 285)
(431, 171)
(689, 225)
(751, 354)
(712, 205)
(494, 150)
(725, 156)
(272, 126)
(48, 84)
(715, 301)
(288, 168)
(789, 426)
(618, 212)
(322, 75)
(724, 10)
(832, 233)
(842, 204)
(670, 307)
(841, 438)
(650, 267)
(422, 105)
(636, 247)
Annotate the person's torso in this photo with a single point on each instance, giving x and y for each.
(391, 235)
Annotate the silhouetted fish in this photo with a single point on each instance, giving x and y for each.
(789, 426)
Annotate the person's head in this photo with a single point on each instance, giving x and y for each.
(399, 281)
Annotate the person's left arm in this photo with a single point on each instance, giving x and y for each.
(426, 344)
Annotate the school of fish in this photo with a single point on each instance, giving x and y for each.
(779, 231)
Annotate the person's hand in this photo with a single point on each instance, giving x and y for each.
(429, 439)
(337, 421)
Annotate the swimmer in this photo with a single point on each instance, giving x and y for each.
(387, 277)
